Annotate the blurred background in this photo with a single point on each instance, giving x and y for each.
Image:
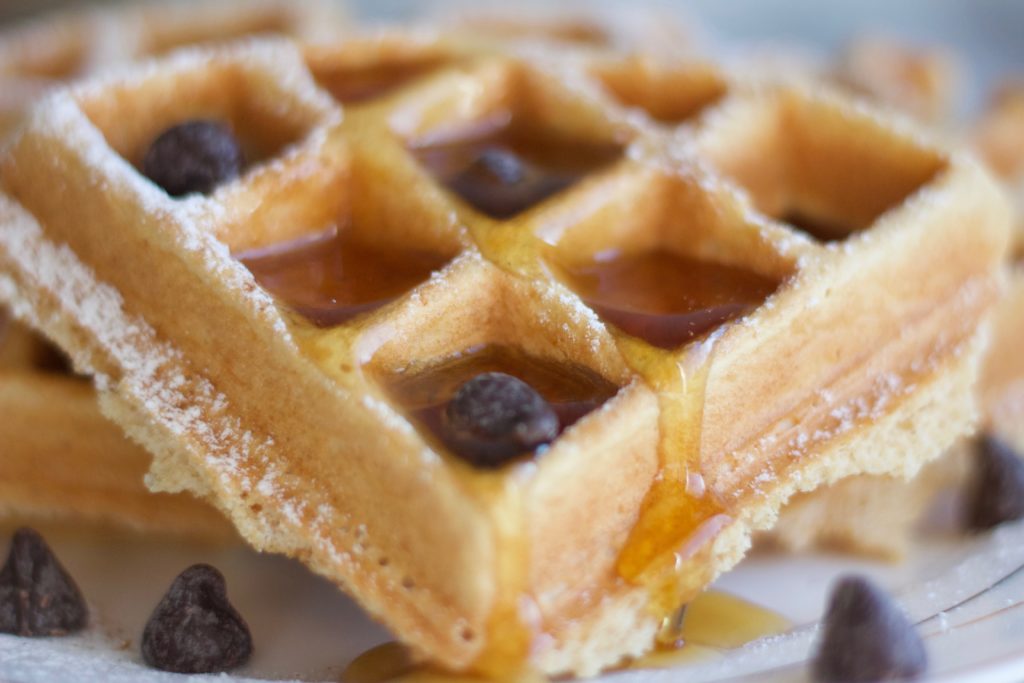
(985, 34)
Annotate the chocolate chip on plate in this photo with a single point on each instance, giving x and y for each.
(996, 493)
(495, 417)
(501, 184)
(866, 638)
(195, 629)
(194, 156)
(37, 596)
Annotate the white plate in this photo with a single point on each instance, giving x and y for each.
(966, 594)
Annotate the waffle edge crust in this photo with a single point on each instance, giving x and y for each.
(862, 361)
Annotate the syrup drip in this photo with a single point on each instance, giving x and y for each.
(355, 86)
(713, 623)
(572, 390)
(679, 518)
(664, 298)
(334, 277)
(513, 167)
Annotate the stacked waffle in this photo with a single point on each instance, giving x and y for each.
(714, 294)
(877, 515)
(63, 460)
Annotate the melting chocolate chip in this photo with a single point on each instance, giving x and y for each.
(37, 597)
(501, 184)
(194, 156)
(866, 638)
(996, 494)
(195, 629)
(495, 417)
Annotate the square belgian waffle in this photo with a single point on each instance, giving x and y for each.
(51, 423)
(42, 53)
(879, 515)
(727, 292)
(64, 462)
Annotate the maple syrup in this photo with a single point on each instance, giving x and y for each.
(572, 390)
(362, 84)
(665, 298)
(668, 547)
(713, 623)
(505, 169)
(333, 277)
(392, 663)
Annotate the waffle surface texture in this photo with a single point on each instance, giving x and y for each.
(63, 460)
(858, 358)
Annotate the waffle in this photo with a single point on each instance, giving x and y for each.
(877, 515)
(40, 55)
(45, 52)
(999, 135)
(65, 463)
(920, 81)
(35, 57)
(304, 421)
(644, 29)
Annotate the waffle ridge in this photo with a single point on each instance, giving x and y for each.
(481, 584)
(47, 407)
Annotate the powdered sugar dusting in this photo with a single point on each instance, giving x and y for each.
(193, 218)
(187, 407)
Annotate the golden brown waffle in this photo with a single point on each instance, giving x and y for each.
(866, 514)
(856, 354)
(604, 26)
(877, 515)
(64, 462)
(42, 53)
(102, 480)
(1001, 385)
(999, 135)
(918, 80)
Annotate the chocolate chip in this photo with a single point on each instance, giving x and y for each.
(195, 156)
(37, 597)
(501, 184)
(866, 638)
(195, 629)
(495, 417)
(996, 493)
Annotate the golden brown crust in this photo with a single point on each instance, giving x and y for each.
(867, 349)
(64, 462)
(918, 80)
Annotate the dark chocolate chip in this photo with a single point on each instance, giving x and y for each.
(495, 417)
(195, 629)
(996, 493)
(866, 638)
(501, 184)
(37, 596)
(195, 156)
